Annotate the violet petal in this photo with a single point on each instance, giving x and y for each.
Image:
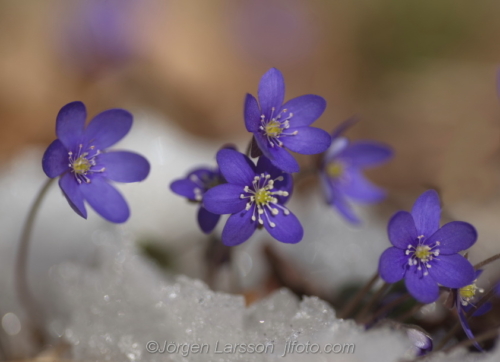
(401, 230)
(224, 199)
(271, 92)
(452, 271)
(70, 124)
(73, 194)
(287, 228)
(420, 286)
(124, 166)
(427, 212)
(252, 114)
(305, 109)
(207, 220)
(55, 159)
(239, 228)
(454, 237)
(107, 128)
(391, 266)
(307, 141)
(236, 167)
(105, 200)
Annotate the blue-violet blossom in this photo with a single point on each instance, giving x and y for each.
(194, 187)
(79, 156)
(424, 254)
(255, 196)
(464, 296)
(341, 171)
(277, 126)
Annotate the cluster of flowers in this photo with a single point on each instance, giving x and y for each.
(254, 194)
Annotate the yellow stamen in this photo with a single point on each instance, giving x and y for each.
(335, 169)
(468, 292)
(81, 165)
(423, 252)
(263, 196)
(273, 128)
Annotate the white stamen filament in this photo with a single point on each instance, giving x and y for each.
(422, 254)
(81, 165)
(274, 128)
(263, 199)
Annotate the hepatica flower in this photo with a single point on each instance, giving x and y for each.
(194, 187)
(277, 126)
(463, 303)
(254, 196)
(86, 168)
(422, 342)
(97, 35)
(424, 254)
(342, 171)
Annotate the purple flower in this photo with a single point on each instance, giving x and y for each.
(194, 187)
(99, 34)
(463, 303)
(255, 196)
(79, 156)
(422, 342)
(424, 254)
(277, 126)
(341, 171)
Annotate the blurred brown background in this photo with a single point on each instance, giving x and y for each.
(421, 75)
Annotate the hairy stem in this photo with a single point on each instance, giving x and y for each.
(21, 270)
(456, 328)
(358, 297)
(368, 306)
(487, 261)
(387, 308)
(403, 317)
(492, 333)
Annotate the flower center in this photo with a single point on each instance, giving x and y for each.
(205, 182)
(467, 293)
(335, 169)
(82, 164)
(422, 254)
(274, 128)
(262, 198)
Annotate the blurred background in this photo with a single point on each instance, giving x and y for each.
(421, 76)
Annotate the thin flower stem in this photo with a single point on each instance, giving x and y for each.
(376, 297)
(304, 174)
(481, 302)
(487, 261)
(248, 152)
(451, 333)
(387, 308)
(492, 333)
(354, 302)
(21, 270)
(456, 328)
(402, 318)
